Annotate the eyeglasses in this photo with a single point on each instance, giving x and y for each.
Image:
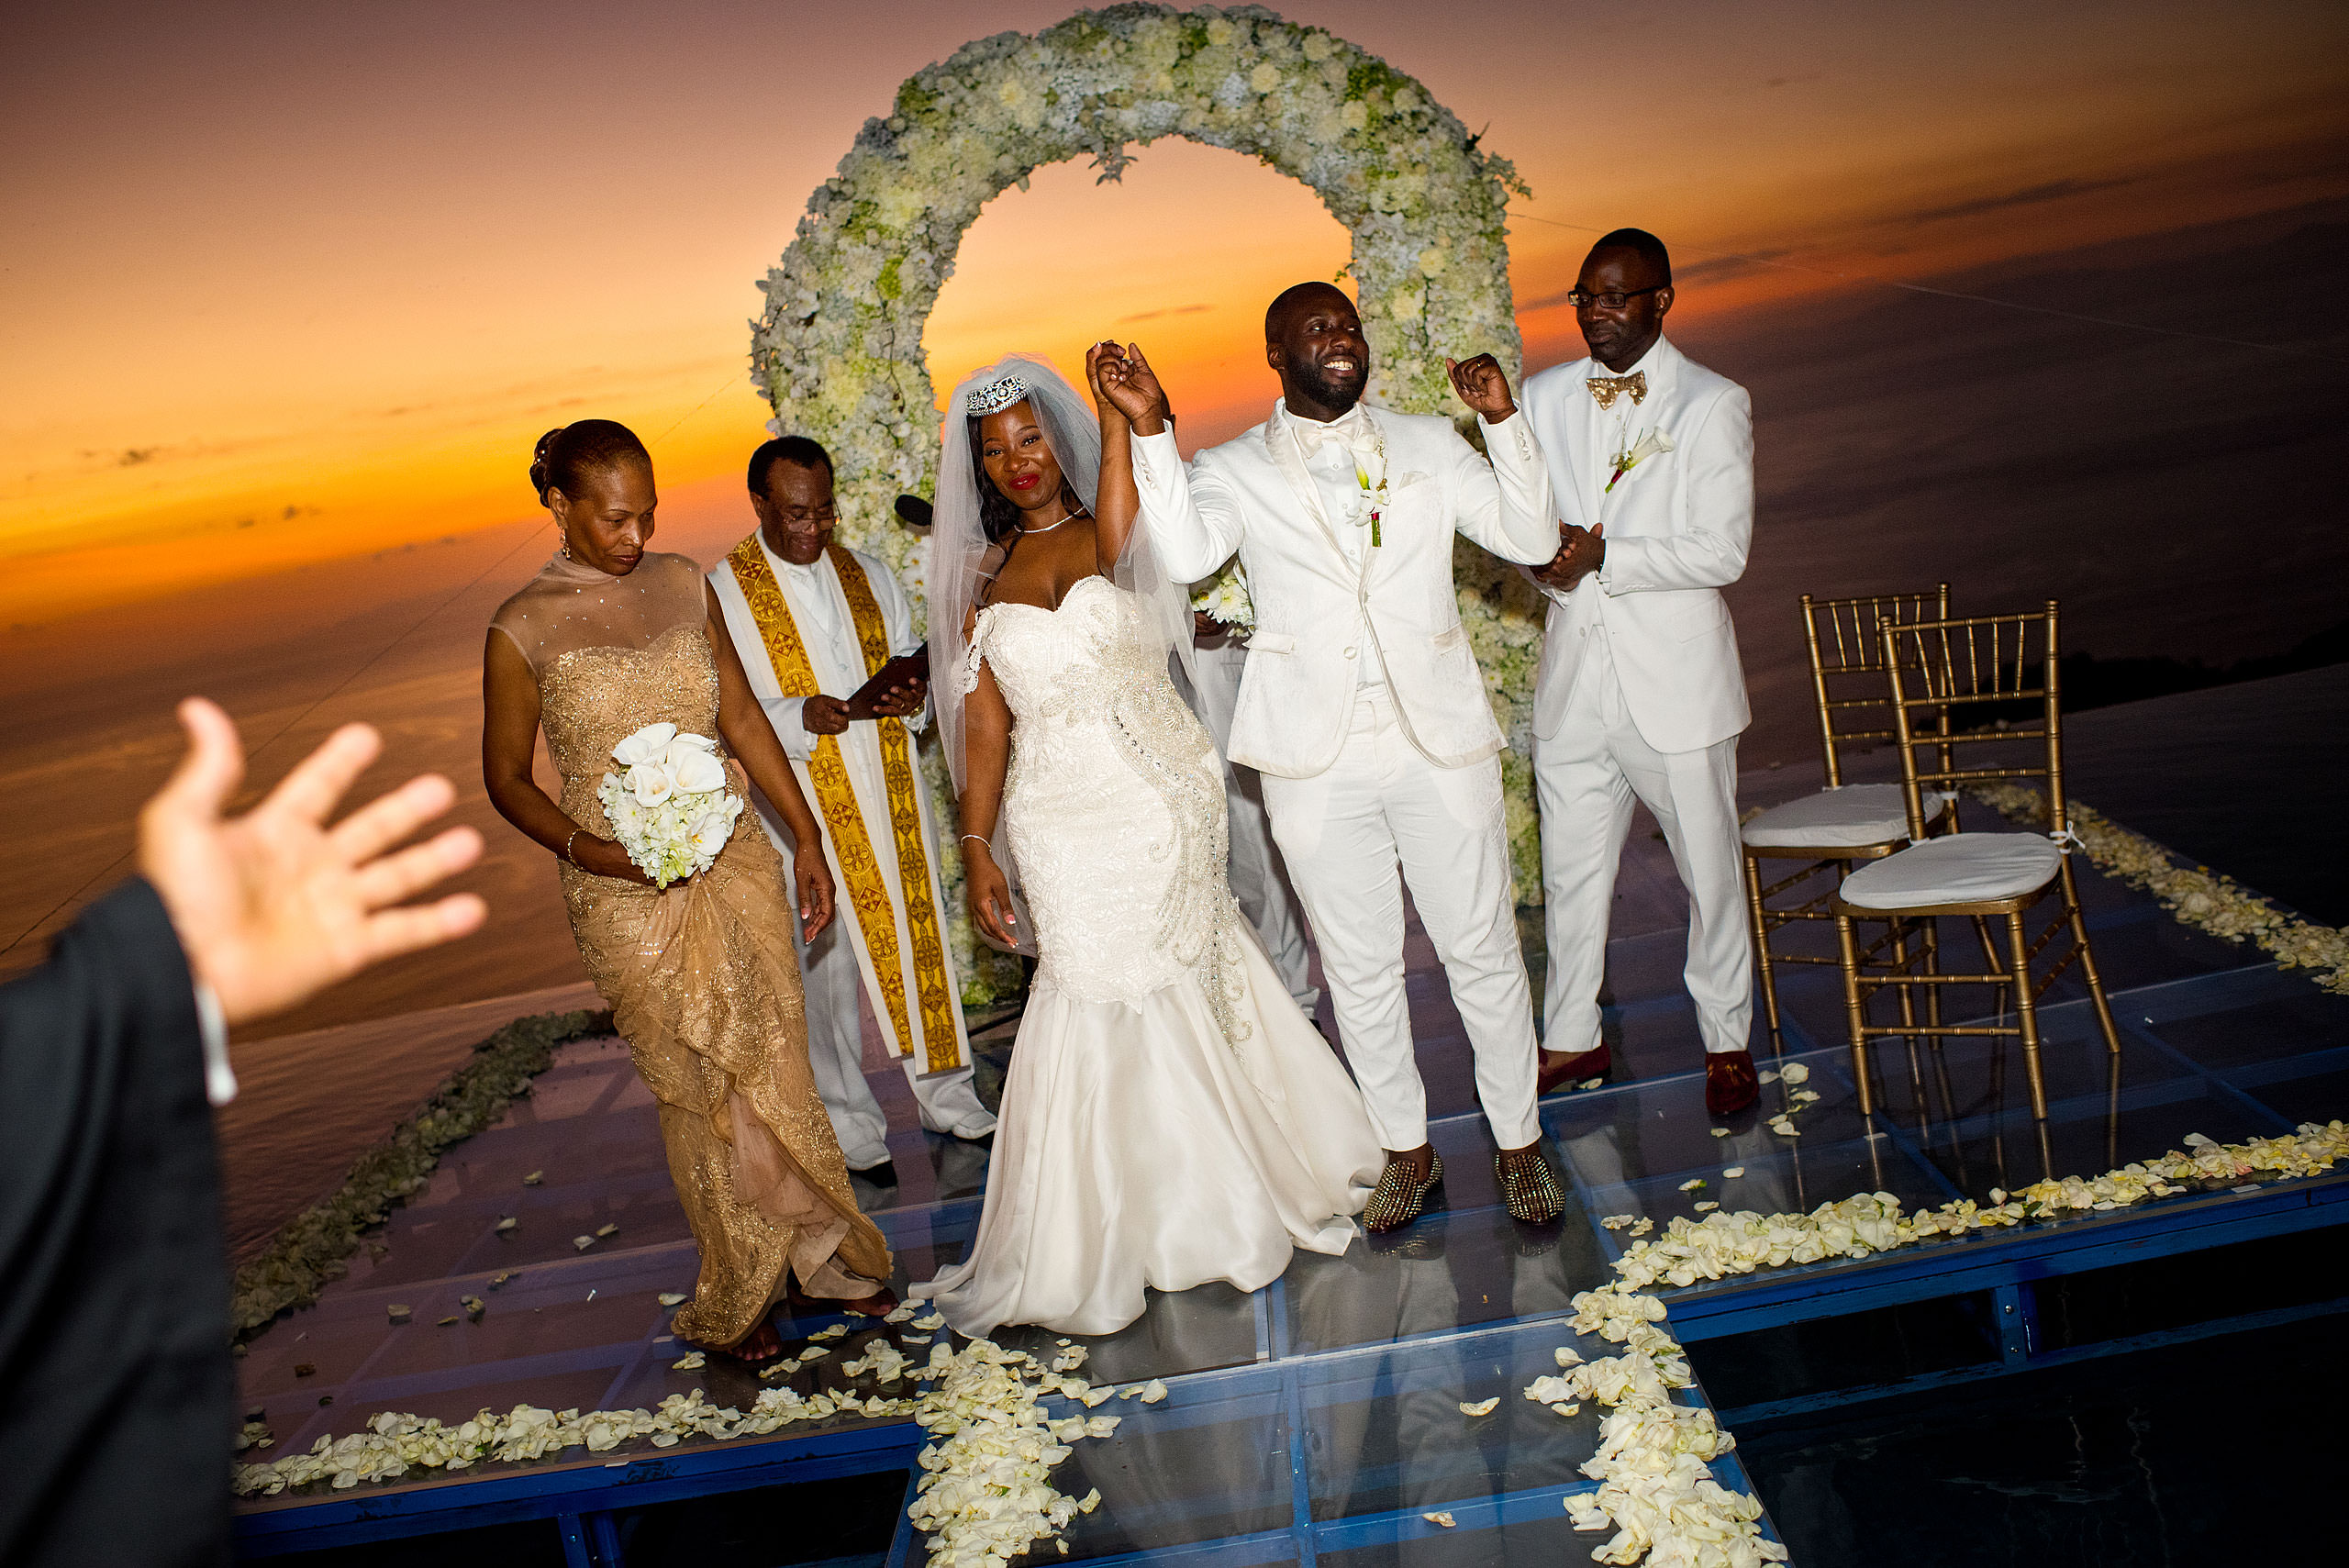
(1612, 300)
(800, 517)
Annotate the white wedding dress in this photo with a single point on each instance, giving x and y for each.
(1170, 1116)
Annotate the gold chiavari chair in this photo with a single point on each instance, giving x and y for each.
(1825, 834)
(1973, 701)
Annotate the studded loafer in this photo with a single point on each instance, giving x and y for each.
(1400, 1195)
(1529, 1186)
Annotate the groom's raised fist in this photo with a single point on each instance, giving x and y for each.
(1482, 387)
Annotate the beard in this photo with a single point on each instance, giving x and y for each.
(1330, 391)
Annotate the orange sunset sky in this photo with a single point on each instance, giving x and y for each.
(289, 282)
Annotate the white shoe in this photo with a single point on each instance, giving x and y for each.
(969, 1130)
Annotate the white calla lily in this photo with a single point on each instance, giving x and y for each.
(652, 783)
(646, 745)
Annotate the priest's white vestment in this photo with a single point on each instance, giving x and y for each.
(842, 958)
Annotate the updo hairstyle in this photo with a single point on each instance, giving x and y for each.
(568, 453)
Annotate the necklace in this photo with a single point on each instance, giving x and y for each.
(1047, 527)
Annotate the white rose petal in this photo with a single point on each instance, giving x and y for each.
(1794, 1072)
(1445, 1520)
(1482, 1407)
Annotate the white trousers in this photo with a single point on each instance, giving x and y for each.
(833, 985)
(1343, 832)
(1586, 777)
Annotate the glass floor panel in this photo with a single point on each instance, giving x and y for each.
(1320, 1418)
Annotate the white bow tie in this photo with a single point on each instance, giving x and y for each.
(1352, 430)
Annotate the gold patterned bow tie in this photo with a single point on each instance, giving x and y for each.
(1605, 389)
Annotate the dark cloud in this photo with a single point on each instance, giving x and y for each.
(1713, 269)
(1174, 310)
(1718, 267)
(2030, 195)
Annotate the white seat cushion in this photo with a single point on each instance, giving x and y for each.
(1964, 868)
(1850, 817)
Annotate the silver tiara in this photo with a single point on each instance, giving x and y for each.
(997, 395)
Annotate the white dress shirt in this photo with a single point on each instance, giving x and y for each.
(1339, 487)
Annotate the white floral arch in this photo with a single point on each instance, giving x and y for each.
(837, 351)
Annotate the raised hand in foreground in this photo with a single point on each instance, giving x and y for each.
(274, 906)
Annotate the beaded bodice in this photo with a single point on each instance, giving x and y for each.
(1113, 803)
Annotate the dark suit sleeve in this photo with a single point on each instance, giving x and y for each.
(116, 1402)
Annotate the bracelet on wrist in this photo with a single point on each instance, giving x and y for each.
(566, 845)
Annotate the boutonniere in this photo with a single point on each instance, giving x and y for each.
(1370, 472)
(1652, 444)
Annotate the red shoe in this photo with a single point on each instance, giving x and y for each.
(1730, 1083)
(1559, 1069)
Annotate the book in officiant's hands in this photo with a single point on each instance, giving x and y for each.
(904, 670)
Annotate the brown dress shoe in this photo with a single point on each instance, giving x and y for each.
(1730, 1083)
(1559, 1069)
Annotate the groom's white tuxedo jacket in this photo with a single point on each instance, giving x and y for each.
(1678, 524)
(1324, 602)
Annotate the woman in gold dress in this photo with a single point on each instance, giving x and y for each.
(701, 977)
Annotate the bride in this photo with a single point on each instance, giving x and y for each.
(1170, 1116)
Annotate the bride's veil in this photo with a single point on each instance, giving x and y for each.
(959, 546)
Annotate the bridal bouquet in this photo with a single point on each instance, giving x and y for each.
(1224, 596)
(670, 810)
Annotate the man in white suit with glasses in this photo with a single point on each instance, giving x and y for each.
(1641, 694)
(1361, 706)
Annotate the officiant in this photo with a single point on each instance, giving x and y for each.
(828, 638)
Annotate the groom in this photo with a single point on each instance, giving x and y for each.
(1361, 706)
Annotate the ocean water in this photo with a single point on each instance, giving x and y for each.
(2178, 497)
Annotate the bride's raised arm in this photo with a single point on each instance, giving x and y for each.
(1118, 503)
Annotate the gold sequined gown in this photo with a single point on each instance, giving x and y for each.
(701, 978)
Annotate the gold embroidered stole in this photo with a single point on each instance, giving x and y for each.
(867, 891)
